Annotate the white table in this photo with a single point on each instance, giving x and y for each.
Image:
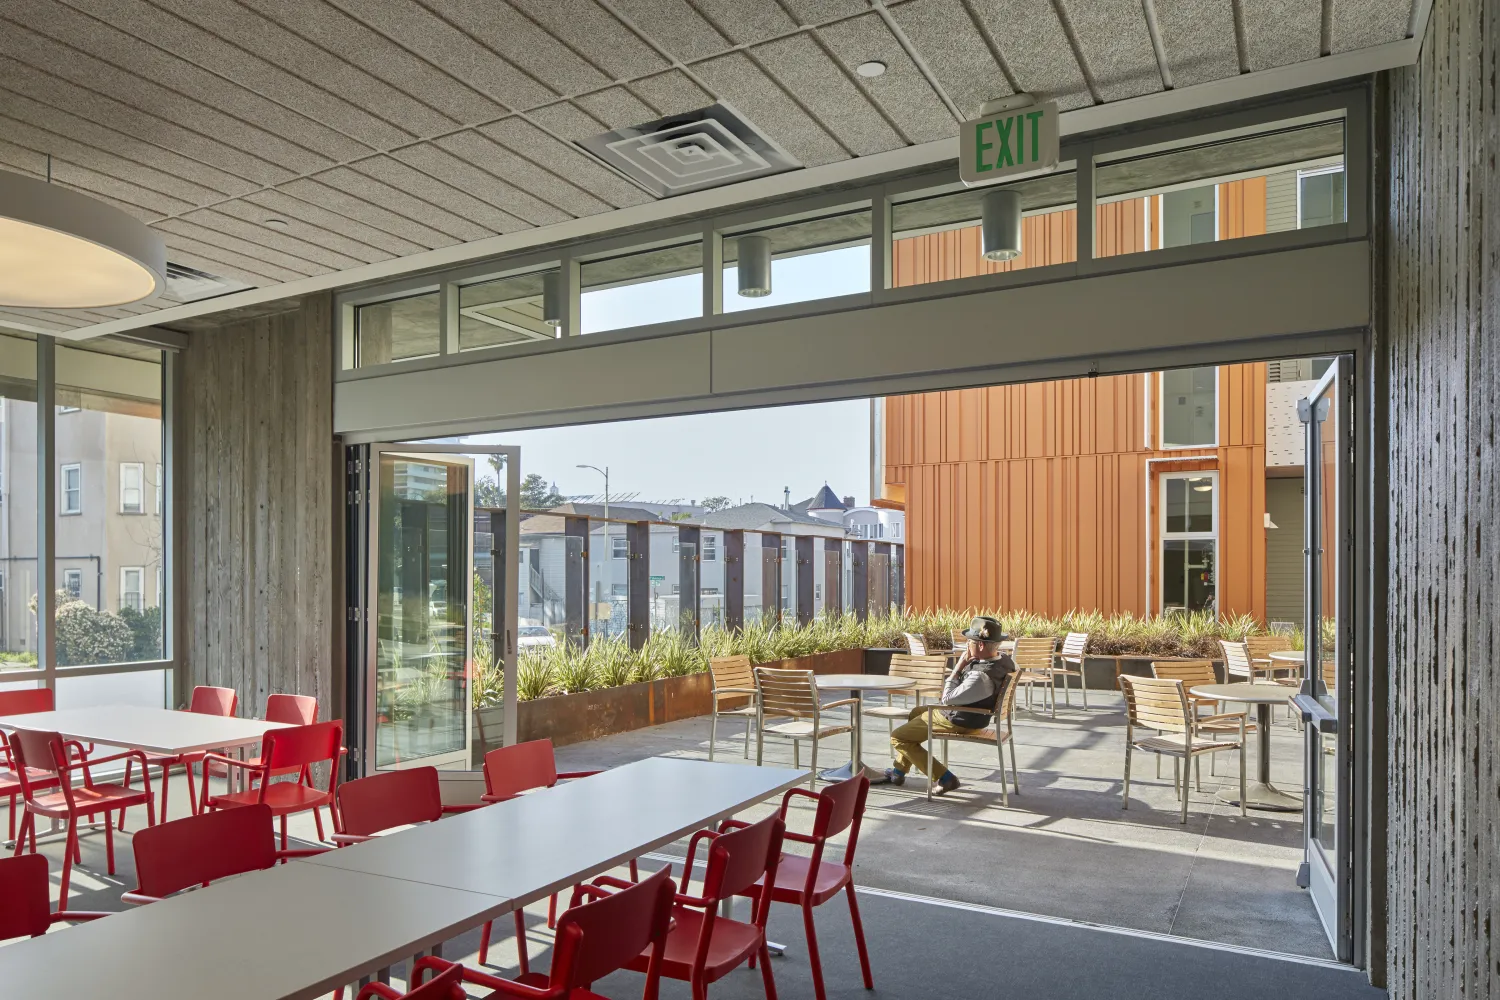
(545, 842)
(1259, 794)
(858, 684)
(156, 730)
(291, 933)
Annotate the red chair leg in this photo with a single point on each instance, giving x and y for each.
(21, 840)
(859, 939)
(109, 842)
(129, 769)
(77, 850)
(67, 869)
(765, 973)
(11, 812)
(812, 953)
(552, 912)
(318, 819)
(187, 768)
(521, 942)
(484, 942)
(283, 831)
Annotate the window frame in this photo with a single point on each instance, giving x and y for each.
(72, 573)
(1159, 383)
(140, 488)
(1164, 536)
(63, 510)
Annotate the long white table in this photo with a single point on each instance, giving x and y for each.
(157, 730)
(530, 847)
(291, 933)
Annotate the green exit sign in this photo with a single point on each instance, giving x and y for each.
(1016, 141)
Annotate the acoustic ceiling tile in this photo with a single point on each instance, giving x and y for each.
(616, 107)
(567, 162)
(1359, 24)
(675, 26)
(157, 79)
(1280, 32)
(903, 92)
(431, 188)
(415, 206)
(524, 44)
(324, 25)
(493, 186)
(965, 68)
(124, 101)
(324, 191)
(595, 33)
(734, 78)
(329, 70)
(558, 198)
(249, 250)
(671, 93)
(272, 203)
(1198, 39)
(288, 240)
(568, 121)
(218, 55)
(746, 22)
(822, 11)
(242, 217)
(1116, 45)
(1034, 45)
(217, 260)
(43, 319)
(801, 65)
(153, 203)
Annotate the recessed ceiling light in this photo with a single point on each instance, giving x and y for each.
(870, 70)
(277, 223)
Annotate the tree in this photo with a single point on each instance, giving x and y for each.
(538, 494)
(488, 493)
(145, 630)
(712, 504)
(86, 636)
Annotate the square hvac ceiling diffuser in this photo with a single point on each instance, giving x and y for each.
(688, 152)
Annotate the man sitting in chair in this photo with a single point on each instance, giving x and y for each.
(976, 681)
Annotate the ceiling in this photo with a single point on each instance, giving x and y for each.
(375, 130)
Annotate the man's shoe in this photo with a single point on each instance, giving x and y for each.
(895, 777)
(947, 783)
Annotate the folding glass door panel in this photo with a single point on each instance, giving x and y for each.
(1327, 666)
(441, 629)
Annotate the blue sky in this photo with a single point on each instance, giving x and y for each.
(742, 454)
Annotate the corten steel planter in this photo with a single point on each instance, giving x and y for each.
(588, 715)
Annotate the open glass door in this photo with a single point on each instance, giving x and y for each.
(440, 622)
(1327, 672)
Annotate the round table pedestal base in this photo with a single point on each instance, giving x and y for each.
(1261, 796)
(845, 771)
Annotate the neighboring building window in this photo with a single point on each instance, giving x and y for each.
(158, 489)
(68, 409)
(1320, 197)
(71, 501)
(1190, 408)
(619, 590)
(132, 488)
(708, 592)
(1189, 547)
(132, 582)
(73, 583)
(710, 548)
(619, 548)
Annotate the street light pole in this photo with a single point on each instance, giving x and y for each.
(605, 473)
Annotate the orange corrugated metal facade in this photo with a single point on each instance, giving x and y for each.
(1045, 497)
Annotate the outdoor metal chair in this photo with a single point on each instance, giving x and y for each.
(734, 681)
(1000, 731)
(929, 672)
(1161, 708)
(793, 695)
(1070, 658)
(1035, 668)
(1238, 663)
(1192, 674)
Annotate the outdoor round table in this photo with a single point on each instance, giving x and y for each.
(1260, 794)
(1289, 659)
(858, 684)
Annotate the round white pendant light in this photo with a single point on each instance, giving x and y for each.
(60, 249)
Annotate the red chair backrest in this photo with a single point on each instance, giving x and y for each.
(195, 850)
(301, 745)
(214, 700)
(26, 701)
(839, 806)
(293, 709)
(389, 799)
(515, 769)
(38, 751)
(597, 938)
(24, 906)
(739, 857)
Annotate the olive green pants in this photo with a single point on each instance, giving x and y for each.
(907, 750)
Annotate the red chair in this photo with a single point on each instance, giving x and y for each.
(593, 939)
(810, 881)
(205, 701)
(25, 909)
(22, 702)
(703, 947)
(367, 807)
(509, 771)
(197, 850)
(296, 749)
(48, 753)
(448, 984)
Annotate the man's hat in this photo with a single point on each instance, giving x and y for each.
(984, 629)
